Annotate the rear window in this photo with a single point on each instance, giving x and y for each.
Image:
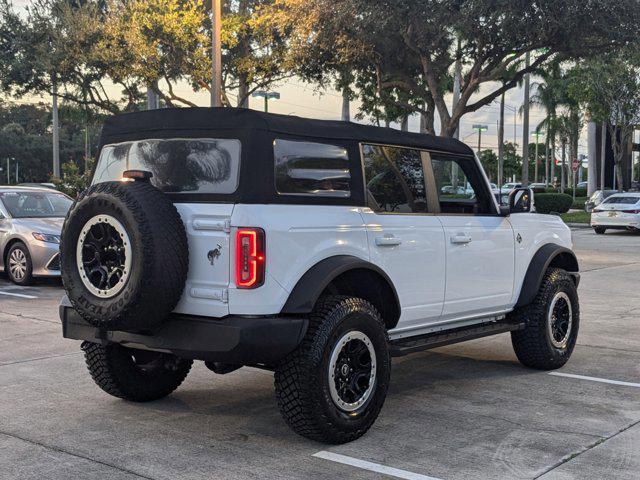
(623, 200)
(316, 169)
(178, 165)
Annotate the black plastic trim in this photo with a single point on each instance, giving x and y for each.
(304, 295)
(231, 340)
(539, 265)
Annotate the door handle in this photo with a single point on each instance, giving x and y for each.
(460, 238)
(388, 241)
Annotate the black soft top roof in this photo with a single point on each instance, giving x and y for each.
(198, 121)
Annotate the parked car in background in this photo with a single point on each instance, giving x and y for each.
(30, 225)
(538, 187)
(582, 185)
(507, 187)
(620, 211)
(596, 199)
(48, 185)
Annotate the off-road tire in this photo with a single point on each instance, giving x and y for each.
(301, 379)
(599, 230)
(159, 256)
(114, 370)
(28, 275)
(532, 344)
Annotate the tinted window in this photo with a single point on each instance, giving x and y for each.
(305, 168)
(395, 179)
(35, 204)
(177, 165)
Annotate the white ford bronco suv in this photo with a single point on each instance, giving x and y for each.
(314, 249)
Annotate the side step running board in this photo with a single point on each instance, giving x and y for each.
(405, 346)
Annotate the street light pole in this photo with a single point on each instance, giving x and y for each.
(266, 95)
(216, 53)
(535, 175)
(480, 129)
(56, 130)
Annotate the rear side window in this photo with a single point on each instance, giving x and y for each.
(178, 165)
(395, 179)
(623, 200)
(315, 169)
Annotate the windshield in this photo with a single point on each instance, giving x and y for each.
(623, 200)
(178, 165)
(36, 204)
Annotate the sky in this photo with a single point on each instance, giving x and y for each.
(298, 98)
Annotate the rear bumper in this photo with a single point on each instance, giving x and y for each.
(233, 339)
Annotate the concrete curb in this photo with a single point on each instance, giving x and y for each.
(578, 225)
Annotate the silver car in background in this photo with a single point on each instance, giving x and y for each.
(30, 225)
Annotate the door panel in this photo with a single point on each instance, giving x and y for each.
(410, 249)
(480, 264)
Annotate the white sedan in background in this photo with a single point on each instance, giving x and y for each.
(620, 211)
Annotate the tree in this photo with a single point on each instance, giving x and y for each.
(609, 86)
(411, 45)
(57, 46)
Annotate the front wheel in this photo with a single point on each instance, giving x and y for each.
(331, 389)
(551, 323)
(19, 266)
(133, 374)
(599, 230)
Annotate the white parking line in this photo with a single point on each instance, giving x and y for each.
(16, 294)
(372, 467)
(595, 379)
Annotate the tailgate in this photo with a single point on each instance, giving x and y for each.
(207, 226)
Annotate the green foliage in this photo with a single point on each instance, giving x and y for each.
(579, 202)
(576, 217)
(553, 202)
(73, 181)
(25, 138)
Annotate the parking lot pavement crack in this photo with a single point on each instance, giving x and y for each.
(595, 269)
(571, 456)
(529, 427)
(19, 315)
(77, 455)
(604, 347)
(27, 360)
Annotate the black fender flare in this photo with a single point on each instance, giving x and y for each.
(550, 254)
(304, 295)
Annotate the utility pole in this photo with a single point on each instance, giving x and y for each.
(56, 130)
(216, 53)
(457, 86)
(152, 99)
(501, 143)
(525, 125)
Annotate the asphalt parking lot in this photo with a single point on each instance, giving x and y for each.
(466, 411)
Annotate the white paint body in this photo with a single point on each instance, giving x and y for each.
(618, 215)
(448, 270)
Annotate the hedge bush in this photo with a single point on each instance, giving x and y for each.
(552, 202)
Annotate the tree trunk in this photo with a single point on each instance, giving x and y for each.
(564, 165)
(346, 110)
(243, 92)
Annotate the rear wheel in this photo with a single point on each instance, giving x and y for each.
(552, 322)
(331, 389)
(599, 230)
(18, 264)
(133, 374)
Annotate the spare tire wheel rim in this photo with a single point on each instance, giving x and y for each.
(103, 256)
(560, 320)
(352, 371)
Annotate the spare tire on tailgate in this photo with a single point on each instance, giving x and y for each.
(124, 256)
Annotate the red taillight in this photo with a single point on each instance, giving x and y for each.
(631, 211)
(250, 257)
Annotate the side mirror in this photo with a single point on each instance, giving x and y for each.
(521, 200)
(504, 211)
